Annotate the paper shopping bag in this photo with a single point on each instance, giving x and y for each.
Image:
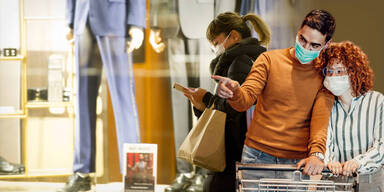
(205, 144)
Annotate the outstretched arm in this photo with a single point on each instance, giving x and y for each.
(242, 97)
(226, 86)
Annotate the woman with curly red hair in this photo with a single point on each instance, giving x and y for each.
(355, 141)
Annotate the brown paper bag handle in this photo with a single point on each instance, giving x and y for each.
(212, 101)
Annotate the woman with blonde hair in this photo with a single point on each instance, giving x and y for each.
(236, 50)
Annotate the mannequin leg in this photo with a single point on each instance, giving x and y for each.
(89, 68)
(119, 71)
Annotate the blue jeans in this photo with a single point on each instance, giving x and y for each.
(254, 156)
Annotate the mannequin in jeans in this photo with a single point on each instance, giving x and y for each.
(106, 32)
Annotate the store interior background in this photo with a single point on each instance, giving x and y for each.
(45, 140)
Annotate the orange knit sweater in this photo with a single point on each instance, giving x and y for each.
(292, 111)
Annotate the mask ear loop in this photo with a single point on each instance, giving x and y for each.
(325, 71)
(225, 40)
(327, 44)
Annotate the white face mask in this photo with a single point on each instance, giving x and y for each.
(219, 49)
(337, 84)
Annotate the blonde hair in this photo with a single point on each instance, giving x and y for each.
(228, 21)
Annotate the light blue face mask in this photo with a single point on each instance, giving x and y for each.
(303, 55)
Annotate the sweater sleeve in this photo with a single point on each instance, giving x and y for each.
(330, 152)
(319, 121)
(246, 95)
(373, 159)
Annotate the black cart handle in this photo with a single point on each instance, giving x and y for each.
(275, 167)
(272, 167)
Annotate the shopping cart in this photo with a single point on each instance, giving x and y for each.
(296, 183)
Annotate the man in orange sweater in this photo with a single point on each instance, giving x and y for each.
(290, 120)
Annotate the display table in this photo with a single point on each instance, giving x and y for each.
(19, 186)
(117, 187)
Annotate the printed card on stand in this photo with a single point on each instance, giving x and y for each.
(140, 162)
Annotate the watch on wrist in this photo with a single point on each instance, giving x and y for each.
(318, 155)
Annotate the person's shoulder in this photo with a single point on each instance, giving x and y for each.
(377, 97)
(242, 64)
(243, 60)
(276, 53)
(374, 94)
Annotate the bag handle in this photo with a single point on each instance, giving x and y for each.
(214, 98)
(212, 101)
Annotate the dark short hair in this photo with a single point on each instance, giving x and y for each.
(322, 21)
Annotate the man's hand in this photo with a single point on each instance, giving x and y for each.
(349, 167)
(195, 95)
(335, 167)
(136, 38)
(226, 86)
(156, 41)
(313, 165)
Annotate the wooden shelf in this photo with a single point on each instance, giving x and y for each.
(12, 176)
(46, 104)
(35, 175)
(15, 115)
(11, 112)
(17, 58)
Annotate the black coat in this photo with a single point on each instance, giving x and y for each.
(235, 63)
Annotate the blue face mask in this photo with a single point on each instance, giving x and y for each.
(303, 55)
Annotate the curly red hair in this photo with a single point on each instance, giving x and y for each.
(354, 59)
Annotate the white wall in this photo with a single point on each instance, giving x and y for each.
(9, 24)
(10, 80)
(360, 22)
